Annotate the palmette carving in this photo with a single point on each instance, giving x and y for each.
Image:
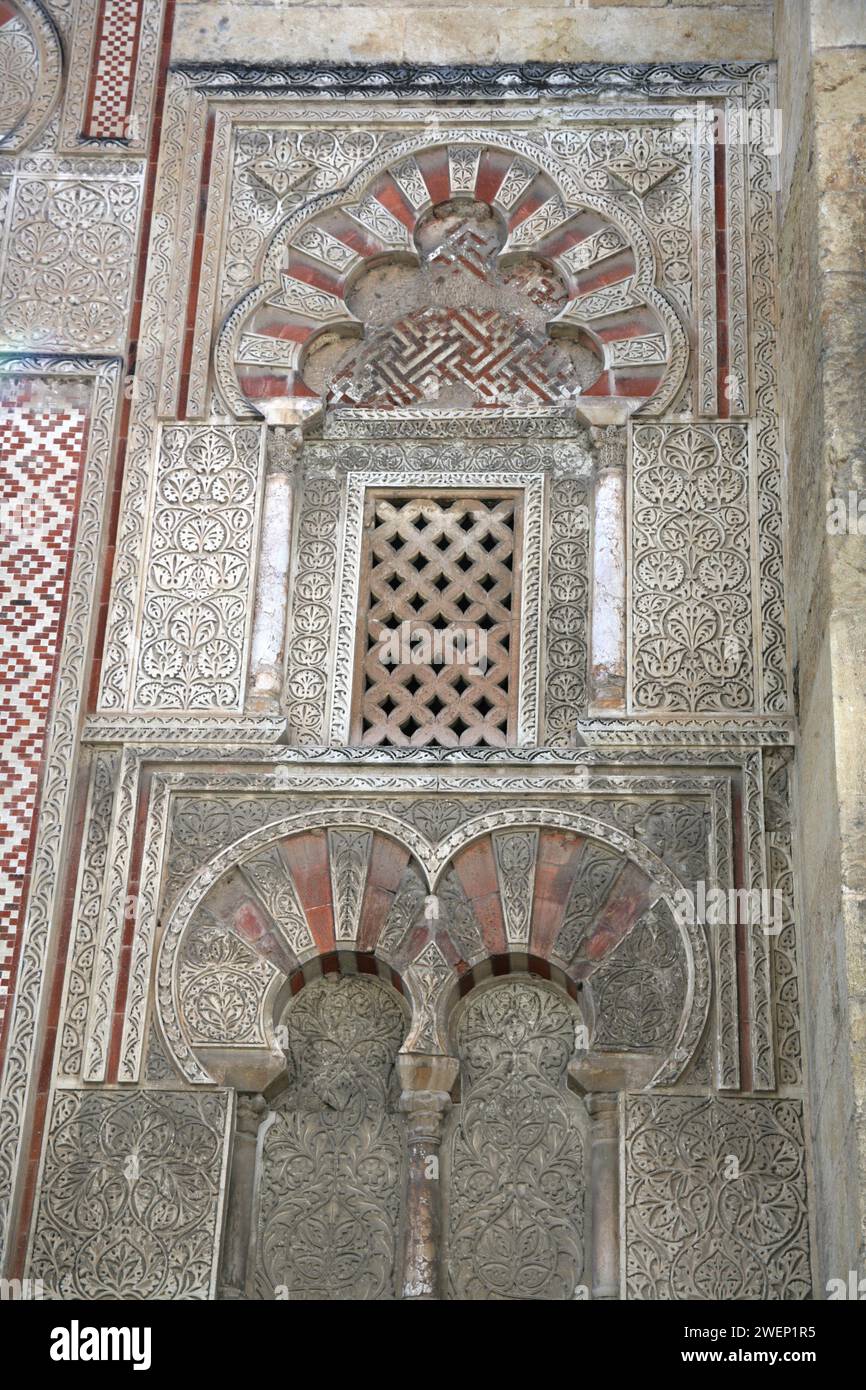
(539, 362)
(112, 921)
(138, 989)
(457, 917)
(19, 68)
(269, 877)
(780, 869)
(758, 939)
(69, 259)
(515, 1154)
(715, 1199)
(666, 213)
(428, 979)
(692, 622)
(79, 978)
(332, 1154)
(196, 605)
(638, 994)
(31, 72)
(349, 856)
(596, 873)
(58, 780)
(515, 866)
(129, 1202)
(407, 912)
(221, 985)
(762, 281)
(313, 589)
(209, 818)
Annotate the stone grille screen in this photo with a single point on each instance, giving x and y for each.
(438, 628)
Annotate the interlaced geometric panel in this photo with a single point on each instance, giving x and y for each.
(439, 620)
(475, 333)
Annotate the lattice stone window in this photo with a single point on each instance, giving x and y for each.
(438, 629)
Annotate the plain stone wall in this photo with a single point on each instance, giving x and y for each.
(821, 49)
(472, 31)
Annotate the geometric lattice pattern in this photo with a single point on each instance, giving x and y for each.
(41, 455)
(491, 355)
(114, 68)
(481, 342)
(438, 632)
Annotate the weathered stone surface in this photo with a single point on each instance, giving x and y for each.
(823, 309)
(431, 869)
(450, 33)
(837, 23)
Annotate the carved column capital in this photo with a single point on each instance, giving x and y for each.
(603, 1108)
(251, 1110)
(426, 1081)
(611, 442)
(283, 447)
(425, 1111)
(292, 412)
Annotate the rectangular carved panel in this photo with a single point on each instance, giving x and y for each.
(130, 1197)
(438, 646)
(715, 1199)
(198, 590)
(567, 561)
(692, 624)
(70, 258)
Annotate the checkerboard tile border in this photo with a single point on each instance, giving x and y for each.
(42, 453)
(113, 74)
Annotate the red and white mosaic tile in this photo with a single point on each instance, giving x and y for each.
(41, 458)
(114, 68)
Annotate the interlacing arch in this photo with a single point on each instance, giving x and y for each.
(554, 285)
(537, 891)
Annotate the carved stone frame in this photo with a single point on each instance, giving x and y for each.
(533, 487)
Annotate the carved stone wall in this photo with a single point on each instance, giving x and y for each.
(692, 637)
(131, 1195)
(332, 1152)
(515, 1172)
(715, 1199)
(198, 588)
(542, 295)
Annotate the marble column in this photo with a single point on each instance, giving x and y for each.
(251, 1110)
(607, 662)
(426, 1083)
(272, 587)
(603, 1110)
